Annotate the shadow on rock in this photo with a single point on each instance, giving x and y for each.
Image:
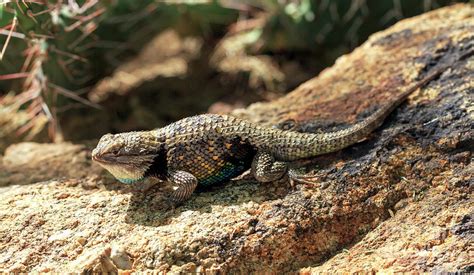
(150, 205)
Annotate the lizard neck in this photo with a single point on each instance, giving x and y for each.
(159, 166)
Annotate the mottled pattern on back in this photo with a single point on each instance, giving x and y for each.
(212, 157)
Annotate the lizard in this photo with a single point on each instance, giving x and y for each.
(209, 149)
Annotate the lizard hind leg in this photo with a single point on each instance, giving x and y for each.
(185, 183)
(265, 168)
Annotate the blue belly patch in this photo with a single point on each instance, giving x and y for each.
(129, 181)
(227, 172)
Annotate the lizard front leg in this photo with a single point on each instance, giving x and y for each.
(265, 168)
(185, 183)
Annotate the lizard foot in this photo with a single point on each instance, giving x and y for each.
(295, 177)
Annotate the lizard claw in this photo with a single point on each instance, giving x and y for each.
(295, 178)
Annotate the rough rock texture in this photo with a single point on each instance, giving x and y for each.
(432, 232)
(30, 162)
(399, 201)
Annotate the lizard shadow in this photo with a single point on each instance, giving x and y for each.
(151, 207)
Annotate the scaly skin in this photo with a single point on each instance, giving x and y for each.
(209, 149)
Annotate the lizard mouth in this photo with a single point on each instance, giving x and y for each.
(113, 159)
(101, 159)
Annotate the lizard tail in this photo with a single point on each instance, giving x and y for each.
(291, 145)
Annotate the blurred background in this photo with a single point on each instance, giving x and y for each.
(74, 70)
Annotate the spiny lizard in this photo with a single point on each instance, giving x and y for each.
(209, 149)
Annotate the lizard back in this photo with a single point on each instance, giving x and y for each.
(205, 147)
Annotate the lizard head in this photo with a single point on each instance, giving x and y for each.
(127, 156)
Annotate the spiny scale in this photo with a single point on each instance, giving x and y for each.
(208, 147)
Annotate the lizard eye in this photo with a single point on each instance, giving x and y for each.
(115, 152)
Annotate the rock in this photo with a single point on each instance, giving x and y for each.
(423, 236)
(30, 162)
(61, 235)
(120, 258)
(166, 55)
(399, 201)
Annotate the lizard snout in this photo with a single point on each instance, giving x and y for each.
(95, 154)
